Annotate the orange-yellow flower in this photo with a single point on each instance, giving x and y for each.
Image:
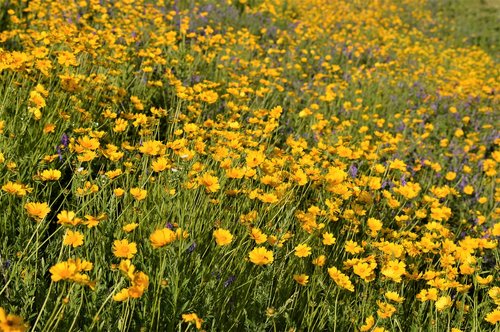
(124, 249)
(258, 236)
(210, 182)
(222, 237)
(121, 296)
(68, 218)
(73, 239)
(301, 279)
(192, 318)
(50, 175)
(328, 239)
(62, 271)
(261, 256)
(17, 189)
(302, 250)
(130, 227)
(340, 279)
(393, 296)
(385, 310)
(36, 210)
(369, 322)
(320, 260)
(11, 323)
(493, 317)
(162, 237)
(138, 193)
(394, 270)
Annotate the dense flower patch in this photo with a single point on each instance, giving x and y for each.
(245, 165)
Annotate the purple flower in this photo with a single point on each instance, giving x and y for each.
(386, 184)
(229, 281)
(192, 247)
(169, 226)
(353, 171)
(403, 181)
(59, 153)
(64, 140)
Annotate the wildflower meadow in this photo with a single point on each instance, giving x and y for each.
(249, 165)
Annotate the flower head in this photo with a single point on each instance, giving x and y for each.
(222, 237)
(124, 249)
(162, 237)
(74, 239)
(302, 250)
(37, 211)
(301, 279)
(261, 256)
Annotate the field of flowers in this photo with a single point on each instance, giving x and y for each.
(251, 165)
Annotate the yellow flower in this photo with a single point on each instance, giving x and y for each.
(38, 211)
(254, 158)
(209, 96)
(73, 239)
(49, 128)
(450, 176)
(393, 296)
(140, 280)
(261, 256)
(67, 59)
(301, 279)
(50, 175)
(17, 189)
(375, 225)
(62, 271)
(210, 182)
(192, 318)
(428, 294)
(127, 267)
(222, 237)
(258, 236)
(352, 247)
(162, 237)
(152, 148)
(394, 270)
(124, 249)
(113, 173)
(494, 293)
(118, 192)
(67, 218)
(493, 317)
(268, 198)
(397, 164)
(385, 310)
(302, 250)
(335, 176)
(468, 190)
(92, 221)
(484, 281)
(11, 323)
(121, 296)
(160, 164)
(319, 261)
(369, 322)
(87, 143)
(444, 302)
(364, 270)
(130, 227)
(300, 177)
(328, 239)
(138, 193)
(340, 279)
